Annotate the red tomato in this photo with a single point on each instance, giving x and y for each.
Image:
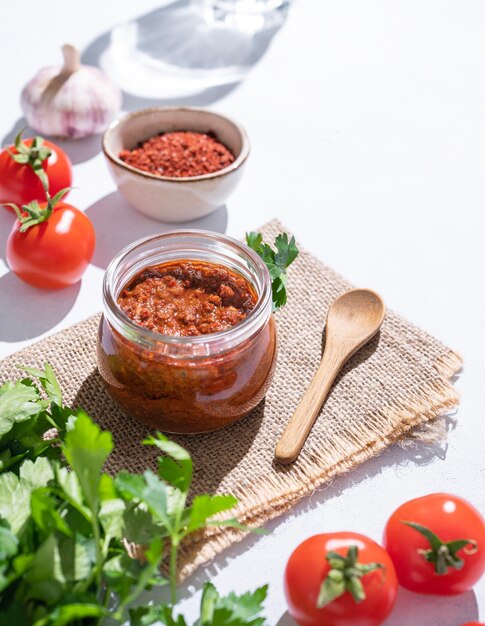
(54, 253)
(308, 567)
(450, 518)
(473, 624)
(18, 182)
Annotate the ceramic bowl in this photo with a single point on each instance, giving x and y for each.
(174, 199)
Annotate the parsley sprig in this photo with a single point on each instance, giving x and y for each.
(277, 261)
(26, 417)
(65, 523)
(215, 610)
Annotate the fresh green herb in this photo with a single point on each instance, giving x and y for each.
(165, 497)
(277, 261)
(65, 524)
(33, 155)
(26, 417)
(230, 610)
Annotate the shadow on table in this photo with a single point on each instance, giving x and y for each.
(28, 312)
(175, 55)
(286, 620)
(413, 609)
(117, 225)
(7, 219)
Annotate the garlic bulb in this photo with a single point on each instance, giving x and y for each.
(72, 101)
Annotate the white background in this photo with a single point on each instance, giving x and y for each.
(367, 123)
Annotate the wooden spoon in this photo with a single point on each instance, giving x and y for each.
(353, 319)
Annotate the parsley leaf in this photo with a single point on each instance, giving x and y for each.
(164, 497)
(149, 615)
(86, 448)
(16, 491)
(254, 240)
(65, 524)
(233, 609)
(26, 416)
(48, 380)
(19, 402)
(286, 250)
(277, 261)
(176, 469)
(204, 507)
(74, 613)
(215, 610)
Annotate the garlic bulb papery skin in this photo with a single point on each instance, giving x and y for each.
(74, 101)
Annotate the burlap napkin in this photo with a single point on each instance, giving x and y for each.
(397, 382)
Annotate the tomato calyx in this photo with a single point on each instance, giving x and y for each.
(32, 214)
(441, 554)
(33, 156)
(345, 575)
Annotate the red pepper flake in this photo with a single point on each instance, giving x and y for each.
(179, 154)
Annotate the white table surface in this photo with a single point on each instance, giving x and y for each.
(368, 141)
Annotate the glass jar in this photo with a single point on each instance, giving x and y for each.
(187, 384)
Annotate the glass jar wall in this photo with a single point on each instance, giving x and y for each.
(187, 384)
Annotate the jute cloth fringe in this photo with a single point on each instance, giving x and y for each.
(399, 381)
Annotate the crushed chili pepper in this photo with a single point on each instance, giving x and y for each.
(179, 154)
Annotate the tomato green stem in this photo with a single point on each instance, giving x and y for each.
(32, 214)
(33, 156)
(345, 575)
(441, 554)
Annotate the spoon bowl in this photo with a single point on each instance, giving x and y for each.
(355, 316)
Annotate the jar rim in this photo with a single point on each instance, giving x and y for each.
(242, 330)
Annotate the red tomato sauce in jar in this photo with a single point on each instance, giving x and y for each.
(172, 368)
(187, 298)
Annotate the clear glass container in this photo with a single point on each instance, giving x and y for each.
(187, 384)
(251, 15)
(187, 48)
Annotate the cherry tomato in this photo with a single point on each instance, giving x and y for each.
(18, 182)
(473, 624)
(307, 576)
(54, 253)
(451, 559)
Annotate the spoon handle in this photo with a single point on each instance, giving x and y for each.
(291, 442)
